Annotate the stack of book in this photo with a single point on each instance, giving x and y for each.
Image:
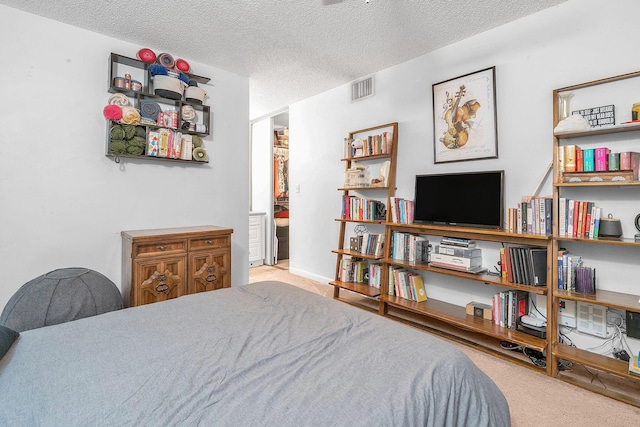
(524, 265)
(531, 216)
(359, 209)
(457, 254)
(582, 164)
(354, 270)
(509, 306)
(578, 219)
(406, 284)
(368, 244)
(410, 247)
(402, 210)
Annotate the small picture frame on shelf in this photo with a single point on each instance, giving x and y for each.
(464, 118)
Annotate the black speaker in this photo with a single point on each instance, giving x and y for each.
(633, 324)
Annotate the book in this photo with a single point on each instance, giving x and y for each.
(634, 365)
(456, 261)
(457, 251)
(630, 160)
(538, 266)
(562, 216)
(455, 241)
(570, 158)
(419, 291)
(579, 160)
(588, 155)
(602, 158)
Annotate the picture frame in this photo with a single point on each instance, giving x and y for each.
(465, 118)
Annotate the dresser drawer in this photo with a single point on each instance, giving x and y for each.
(160, 247)
(210, 242)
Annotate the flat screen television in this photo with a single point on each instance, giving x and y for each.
(472, 199)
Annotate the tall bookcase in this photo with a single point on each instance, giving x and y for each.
(373, 157)
(617, 138)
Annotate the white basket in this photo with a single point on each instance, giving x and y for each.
(357, 177)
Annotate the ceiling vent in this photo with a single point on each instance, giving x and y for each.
(361, 89)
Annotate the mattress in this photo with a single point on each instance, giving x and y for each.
(267, 354)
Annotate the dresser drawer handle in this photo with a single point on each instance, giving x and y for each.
(161, 248)
(209, 242)
(162, 287)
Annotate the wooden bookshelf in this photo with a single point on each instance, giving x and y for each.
(607, 298)
(380, 193)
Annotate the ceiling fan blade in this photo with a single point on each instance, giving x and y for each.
(330, 2)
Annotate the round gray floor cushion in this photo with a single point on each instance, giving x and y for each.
(60, 296)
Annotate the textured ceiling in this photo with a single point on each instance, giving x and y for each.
(290, 49)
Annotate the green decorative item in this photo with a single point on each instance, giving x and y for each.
(117, 132)
(117, 147)
(138, 141)
(135, 151)
(200, 154)
(141, 132)
(129, 131)
(197, 141)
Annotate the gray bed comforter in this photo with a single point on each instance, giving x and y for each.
(264, 354)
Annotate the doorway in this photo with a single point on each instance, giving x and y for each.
(281, 186)
(269, 192)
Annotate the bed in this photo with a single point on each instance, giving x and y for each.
(267, 354)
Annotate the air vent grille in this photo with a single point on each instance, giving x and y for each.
(361, 89)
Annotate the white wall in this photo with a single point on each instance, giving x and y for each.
(262, 178)
(63, 203)
(575, 42)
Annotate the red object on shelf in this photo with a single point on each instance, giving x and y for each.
(183, 65)
(146, 55)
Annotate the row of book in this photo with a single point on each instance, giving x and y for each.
(573, 275)
(524, 265)
(578, 219)
(508, 306)
(359, 209)
(406, 284)
(369, 244)
(369, 146)
(531, 216)
(355, 270)
(572, 158)
(409, 247)
(402, 210)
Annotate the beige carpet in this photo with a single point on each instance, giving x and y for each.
(534, 398)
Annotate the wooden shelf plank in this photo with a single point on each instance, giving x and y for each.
(363, 188)
(457, 316)
(372, 157)
(584, 357)
(486, 234)
(362, 221)
(360, 288)
(628, 127)
(616, 241)
(485, 278)
(612, 299)
(354, 254)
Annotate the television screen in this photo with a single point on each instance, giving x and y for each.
(468, 198)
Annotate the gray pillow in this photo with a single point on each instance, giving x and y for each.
(7, 337)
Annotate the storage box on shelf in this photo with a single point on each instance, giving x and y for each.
(365, 198)
(608, 136)
(181, 117)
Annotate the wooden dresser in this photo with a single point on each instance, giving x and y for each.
(166, 263)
